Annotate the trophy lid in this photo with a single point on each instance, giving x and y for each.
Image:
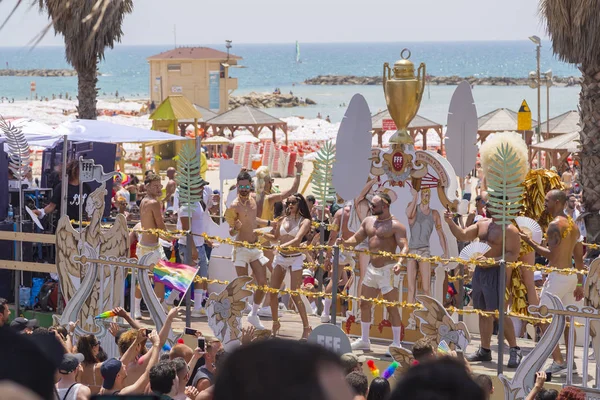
(404, 68)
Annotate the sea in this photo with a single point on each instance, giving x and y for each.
(269, 66)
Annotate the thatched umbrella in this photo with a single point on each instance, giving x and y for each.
(574, 28)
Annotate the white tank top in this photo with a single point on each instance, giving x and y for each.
(72, 395)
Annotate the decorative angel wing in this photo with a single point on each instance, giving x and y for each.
(114, 242)
(403, 357)
(69, 272)
(591, 291)
(225, 310)
(18, 149)
(437, 324)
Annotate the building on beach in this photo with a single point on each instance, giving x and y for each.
(201, 74)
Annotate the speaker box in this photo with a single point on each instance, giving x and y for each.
(7, 252)
(101, 153)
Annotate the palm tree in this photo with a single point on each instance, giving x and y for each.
(88, 28)
(574, 27)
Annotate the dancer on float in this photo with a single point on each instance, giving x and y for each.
(151, 217)
(384, 233)
(242, 219)
(292, 228)
(485, 281)
(563, 245)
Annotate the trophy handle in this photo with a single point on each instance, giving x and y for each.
(386, 67)
(421, 77)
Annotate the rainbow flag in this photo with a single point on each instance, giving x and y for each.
(124, 178)
(173, 275)
(105, 314)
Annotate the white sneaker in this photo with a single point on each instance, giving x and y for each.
(198, 312)
(314, 311)
(255, 321)
(137, 314)
(265, 312)
(325, 318)
(397, 345)
(360, 344)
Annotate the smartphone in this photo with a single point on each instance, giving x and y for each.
(201, 343)
(148, 332)
(190, 331)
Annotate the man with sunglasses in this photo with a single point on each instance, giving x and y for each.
(384, 233)
(242, 219)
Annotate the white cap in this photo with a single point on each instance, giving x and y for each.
(307, 272)
(537, 276)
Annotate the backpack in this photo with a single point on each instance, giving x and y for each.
(47, 298)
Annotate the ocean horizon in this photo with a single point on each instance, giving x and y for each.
(125, 69)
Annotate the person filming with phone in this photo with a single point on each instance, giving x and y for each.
(205, 375)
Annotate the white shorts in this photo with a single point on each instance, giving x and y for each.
(562, 286)
(153, 253)
(243, 256)
(382, 278)
(294, 262)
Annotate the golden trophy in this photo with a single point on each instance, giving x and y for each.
(403, 93)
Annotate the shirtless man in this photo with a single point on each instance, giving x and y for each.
(384, 233)
(171, 187)
(567, 179)
(151, 218)
(266, 199)
(485, 281)
(345, 259)
(563, 244)
(242, 219)
(421, 221)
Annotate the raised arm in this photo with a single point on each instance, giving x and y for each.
(166, 328)
(140, 385)
(411, 210)
(357, 238)
(133, 350)
(437, 220)
(275, 197)
(467, 234)
(120, 312)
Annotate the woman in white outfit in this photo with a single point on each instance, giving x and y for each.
(290, 233)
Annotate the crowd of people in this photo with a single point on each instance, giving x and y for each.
(40, 363)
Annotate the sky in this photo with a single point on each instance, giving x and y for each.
(309, 21)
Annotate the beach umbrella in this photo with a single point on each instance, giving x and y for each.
(216, 140)
(246, 138)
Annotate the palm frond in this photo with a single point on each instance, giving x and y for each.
(18, 149)
(323, 189)
(188, 178)
(504, 185)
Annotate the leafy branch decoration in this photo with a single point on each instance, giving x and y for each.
(505, 188)
(18, 149)
(188, 179)
(323, 189)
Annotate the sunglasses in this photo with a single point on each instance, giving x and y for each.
(242, 187)
(292, 203)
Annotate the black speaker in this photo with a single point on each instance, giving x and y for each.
(3, 183)
(7, 281)
(101, 153)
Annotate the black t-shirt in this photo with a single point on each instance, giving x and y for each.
(72, 199)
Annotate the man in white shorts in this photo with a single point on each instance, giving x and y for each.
(242, 219)
(384, 233)
(564, 247)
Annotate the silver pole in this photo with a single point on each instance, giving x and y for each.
(189, 241)
(501, 312)
(80, 195)
(334, 280)
(65, 180)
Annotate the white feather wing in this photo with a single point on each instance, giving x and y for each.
(353, 149)
(461, 135)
